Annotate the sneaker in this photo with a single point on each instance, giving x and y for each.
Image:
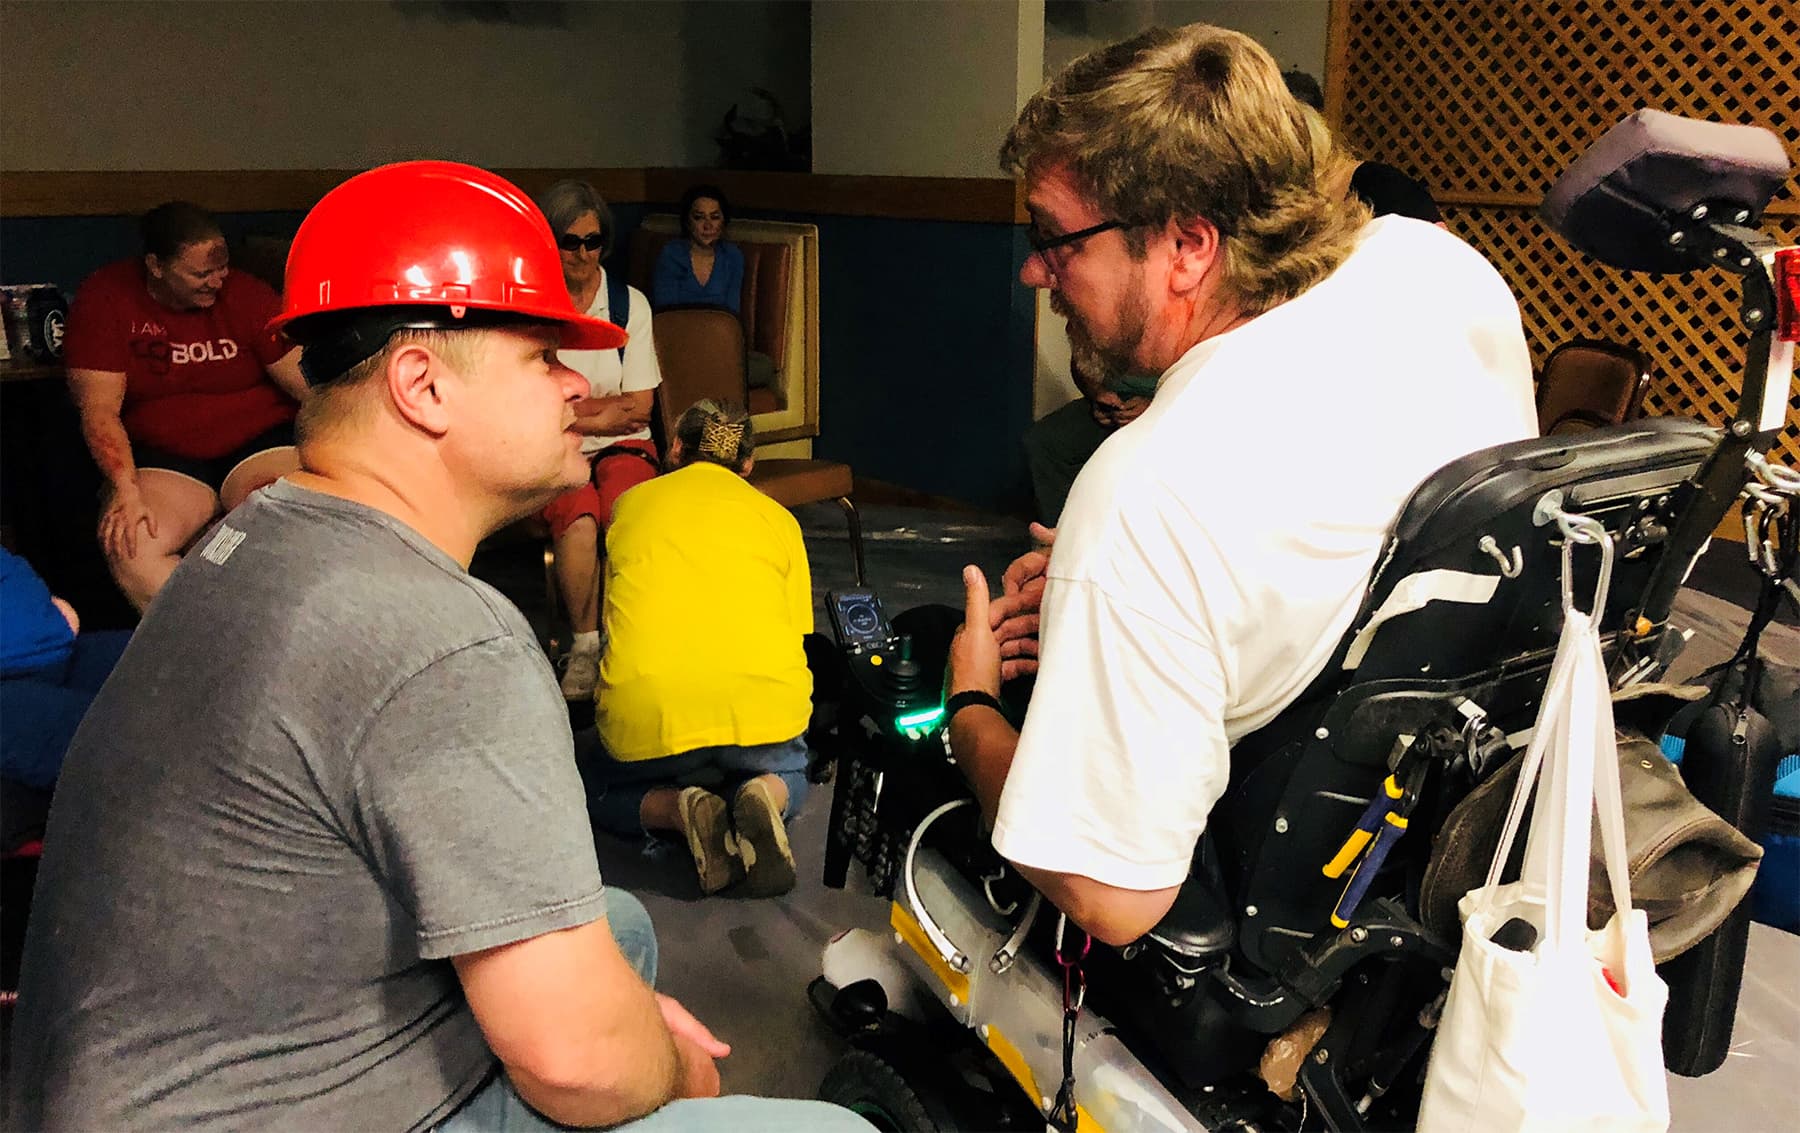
(706, 823)
(762, 841)
(581, 672)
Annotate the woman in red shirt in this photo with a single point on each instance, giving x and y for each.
(177, 380)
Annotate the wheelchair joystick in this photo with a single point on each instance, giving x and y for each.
(903, 675)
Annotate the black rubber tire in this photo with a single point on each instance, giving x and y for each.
(869, 1086)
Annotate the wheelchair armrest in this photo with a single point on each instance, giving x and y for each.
(1198, 927)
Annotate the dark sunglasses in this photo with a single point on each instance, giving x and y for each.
(569, 242)
(1041, 243)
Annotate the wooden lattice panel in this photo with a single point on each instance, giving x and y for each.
(1491, 98)
(1487, 101)
(1687, 326)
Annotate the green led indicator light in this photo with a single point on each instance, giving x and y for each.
(918, 719)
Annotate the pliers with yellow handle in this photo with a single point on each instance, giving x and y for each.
(1382, 823)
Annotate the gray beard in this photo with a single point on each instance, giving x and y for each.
(1105, 364)
(1101, 365)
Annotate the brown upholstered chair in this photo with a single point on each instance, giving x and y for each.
(1587, 383)
(702, 354)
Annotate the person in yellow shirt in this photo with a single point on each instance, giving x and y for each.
(704, 691)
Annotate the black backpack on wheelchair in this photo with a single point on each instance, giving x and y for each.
(1297, 899)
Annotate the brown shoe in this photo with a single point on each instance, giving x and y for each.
(707, 824)
(762, 841)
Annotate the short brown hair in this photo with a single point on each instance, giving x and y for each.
(1195, 122)
(173, 225)
(343, 401)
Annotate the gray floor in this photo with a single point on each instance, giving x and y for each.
(743, 965)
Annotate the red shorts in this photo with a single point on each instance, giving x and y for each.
(616, 468)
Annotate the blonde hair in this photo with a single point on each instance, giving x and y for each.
(1195, 122)
(344, 402)
(716, 431)
(1336, 163)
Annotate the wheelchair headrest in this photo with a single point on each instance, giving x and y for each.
(1622, 199)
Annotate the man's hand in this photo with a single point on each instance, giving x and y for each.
(119, 522)
(1014, 616)
(682, 1024)
(68, 613)
(1111, 411)
(974, 651)
(696, 1046)
(605, 416)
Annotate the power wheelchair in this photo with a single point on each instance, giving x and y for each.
(980, 1012)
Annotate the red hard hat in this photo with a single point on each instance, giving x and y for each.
(433, 234)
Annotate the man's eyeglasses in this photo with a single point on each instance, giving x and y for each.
(1042, 244)
(569, 242)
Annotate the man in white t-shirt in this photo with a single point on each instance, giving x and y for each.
(615, 418)
(1316, 366)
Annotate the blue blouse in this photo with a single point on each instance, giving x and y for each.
(674, 283)
(35, 633)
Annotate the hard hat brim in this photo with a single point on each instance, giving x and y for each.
(578, 332)
(585, 332)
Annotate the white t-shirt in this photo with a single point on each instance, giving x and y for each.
(1214, 551)
(606, 375)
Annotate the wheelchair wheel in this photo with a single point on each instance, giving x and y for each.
(870, 1087)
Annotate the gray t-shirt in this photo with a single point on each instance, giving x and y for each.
(329, 760)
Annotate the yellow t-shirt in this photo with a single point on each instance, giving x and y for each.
(707, 598)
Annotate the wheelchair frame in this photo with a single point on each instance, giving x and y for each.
(1249, 948)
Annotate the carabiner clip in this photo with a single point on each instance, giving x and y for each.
(1575, 529)
(1584, 529)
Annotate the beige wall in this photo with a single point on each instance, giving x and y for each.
(1292, 30)
(923, 88)
(195, 84)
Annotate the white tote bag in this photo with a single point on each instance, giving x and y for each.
(1568, 1034)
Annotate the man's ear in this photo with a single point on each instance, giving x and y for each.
(153, 266)
(417, 387)
(1198, 252)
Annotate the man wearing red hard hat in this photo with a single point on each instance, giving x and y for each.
(321, 858)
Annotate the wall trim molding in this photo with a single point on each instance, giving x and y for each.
(60, 193)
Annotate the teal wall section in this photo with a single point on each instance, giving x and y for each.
(926, 336)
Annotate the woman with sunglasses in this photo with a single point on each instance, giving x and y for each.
(615, 418)
(704, 269)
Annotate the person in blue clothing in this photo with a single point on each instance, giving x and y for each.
(49, 673)
(704, 269)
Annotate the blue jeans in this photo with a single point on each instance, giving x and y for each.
(40, 709)
(632, 932)
(616, 789)
(497, 1108)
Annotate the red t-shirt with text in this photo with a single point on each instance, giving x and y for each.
(196, 382)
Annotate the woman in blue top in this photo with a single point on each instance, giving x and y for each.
(49, 674)
(702, 269)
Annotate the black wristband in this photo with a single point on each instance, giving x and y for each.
(967, 697)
